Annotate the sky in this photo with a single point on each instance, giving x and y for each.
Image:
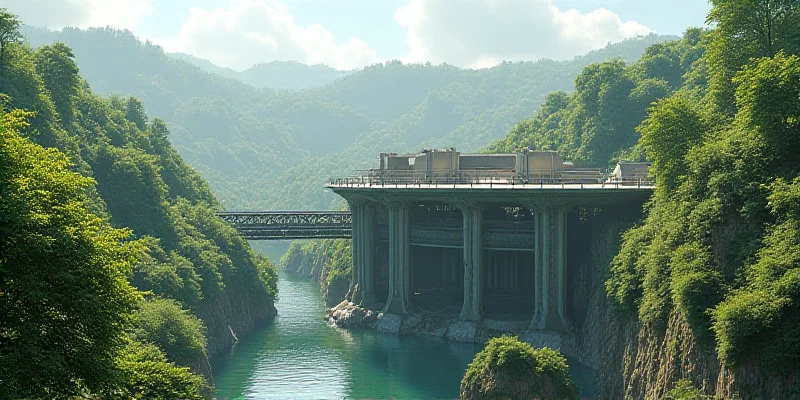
(348, 34)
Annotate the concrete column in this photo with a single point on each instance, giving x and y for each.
(397, 301)
(538, 276)
(550, 270)
(473, 263)
(356, 248)
(561, 267)
(368, 268)
(404, 270)
(477, 263)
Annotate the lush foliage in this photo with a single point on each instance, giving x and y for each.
(146, 374)
(73, 168)
(718, 114)
(596, 125)
(178, 333)
(684, 390)
(509, 369)
(64, 300)
(719, 243)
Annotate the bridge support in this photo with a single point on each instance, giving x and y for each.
(550, 269)
(473, 263)
(363, 228)
(399, 277)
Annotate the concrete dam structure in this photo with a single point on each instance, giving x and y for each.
(487, 236)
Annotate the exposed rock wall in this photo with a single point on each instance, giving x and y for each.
(240, 310)
(642, 362)
(323, 262)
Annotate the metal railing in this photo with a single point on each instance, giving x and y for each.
(545, 179)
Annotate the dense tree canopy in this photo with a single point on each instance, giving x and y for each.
(719, 241)
(93, 197)
(718, 115)
(64, 300)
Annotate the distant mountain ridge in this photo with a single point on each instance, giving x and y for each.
(272, 75)
(274, 149)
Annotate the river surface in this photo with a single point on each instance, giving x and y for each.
(298, 356)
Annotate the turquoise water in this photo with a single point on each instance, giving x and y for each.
(298, 356)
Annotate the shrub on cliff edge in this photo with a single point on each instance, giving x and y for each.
(509, 369)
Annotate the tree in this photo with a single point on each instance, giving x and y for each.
(147, 374)
(64, 298)
(748, 29)
(134, 112)
(56, 67)
(673, 127)
(9, 31)
(764, 26)
(768, 97)
(179, 334)
(509, 369)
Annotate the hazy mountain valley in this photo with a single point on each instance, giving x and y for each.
(253, 144)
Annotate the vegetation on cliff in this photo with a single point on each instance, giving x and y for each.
(509, 369)
(719, 243)
(93, 198)
(328, 261)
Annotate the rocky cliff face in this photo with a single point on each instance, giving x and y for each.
(644, 362)
(234, 310)
(323, 261)
(231, 315)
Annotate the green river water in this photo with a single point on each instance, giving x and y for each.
(298, 356)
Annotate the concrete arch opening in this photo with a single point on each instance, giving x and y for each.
(436, 257)
(508, 273)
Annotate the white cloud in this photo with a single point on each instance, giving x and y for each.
(56, 14)
(252, 31)
(480, 33)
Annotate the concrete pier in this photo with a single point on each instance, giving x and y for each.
(473, 262)
(399, 285)
(550, 264)
(363, 254)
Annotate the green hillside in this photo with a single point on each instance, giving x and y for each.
(265, 149)
(94, 199)
(718, 247)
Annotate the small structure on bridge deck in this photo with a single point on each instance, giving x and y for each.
(630, 172)
(449, 164)
(490, 233)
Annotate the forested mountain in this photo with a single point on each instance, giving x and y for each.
(272, 75)
(115, 273)
(596, 125)
(265, 149)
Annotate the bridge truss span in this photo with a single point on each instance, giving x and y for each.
(280, 225)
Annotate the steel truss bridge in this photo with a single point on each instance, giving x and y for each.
(280, 225)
